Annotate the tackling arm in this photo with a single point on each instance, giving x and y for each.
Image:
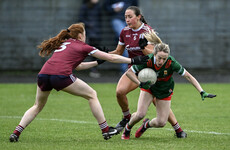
(120, 59)
(86, 65)
(111, 57)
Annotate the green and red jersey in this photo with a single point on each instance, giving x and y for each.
(165, 84)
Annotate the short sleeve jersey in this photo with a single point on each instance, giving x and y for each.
(130, 38)
(66, 58)
(165, 84)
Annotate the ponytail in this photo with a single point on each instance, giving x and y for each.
(159, 46)
(50, 45)
(143, 20)
(152, 37)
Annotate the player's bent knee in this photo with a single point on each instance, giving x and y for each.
(120, 93)
(140, 115)
(92, 94)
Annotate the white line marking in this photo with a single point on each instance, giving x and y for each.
(52, 119)
(193, 131)
(86, 122)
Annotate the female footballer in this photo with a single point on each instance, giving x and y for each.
(164, 65)
(68, 51)
(129, 40)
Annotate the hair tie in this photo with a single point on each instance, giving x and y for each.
(67, 30)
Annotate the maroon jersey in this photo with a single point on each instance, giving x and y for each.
(65, 59)
(130, 38)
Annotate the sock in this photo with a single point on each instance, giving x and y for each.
(104, 126)
(128, 127)
(18, 130)
(127, 114)
(146, 125)
(177, 128)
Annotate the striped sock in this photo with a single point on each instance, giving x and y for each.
(128, 127)
(177, 128)
(104, 126)
(18, 130)
(146, 125)
(127, 114)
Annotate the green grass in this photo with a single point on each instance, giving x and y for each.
(66, 122)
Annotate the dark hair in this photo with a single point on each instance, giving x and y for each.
(137, 12)
(48, 46)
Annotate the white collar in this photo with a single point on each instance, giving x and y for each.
(138, 28)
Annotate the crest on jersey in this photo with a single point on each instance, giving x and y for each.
(165, 72)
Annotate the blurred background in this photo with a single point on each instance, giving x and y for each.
(197, 31)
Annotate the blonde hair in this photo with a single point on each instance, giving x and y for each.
(48, 46)
(152, 37)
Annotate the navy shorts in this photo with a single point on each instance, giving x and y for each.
(58, 82)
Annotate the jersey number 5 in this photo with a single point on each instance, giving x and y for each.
(63, 47)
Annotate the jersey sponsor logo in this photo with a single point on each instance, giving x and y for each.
(132, 48)
(128, 36)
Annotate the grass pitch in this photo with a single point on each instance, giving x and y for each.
(66, 122)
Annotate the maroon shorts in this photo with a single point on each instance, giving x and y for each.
(58, 82)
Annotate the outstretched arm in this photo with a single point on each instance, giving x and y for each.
(193, 81)
(196, 84)
(111, 57)
(86, 65)
(114, 58)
